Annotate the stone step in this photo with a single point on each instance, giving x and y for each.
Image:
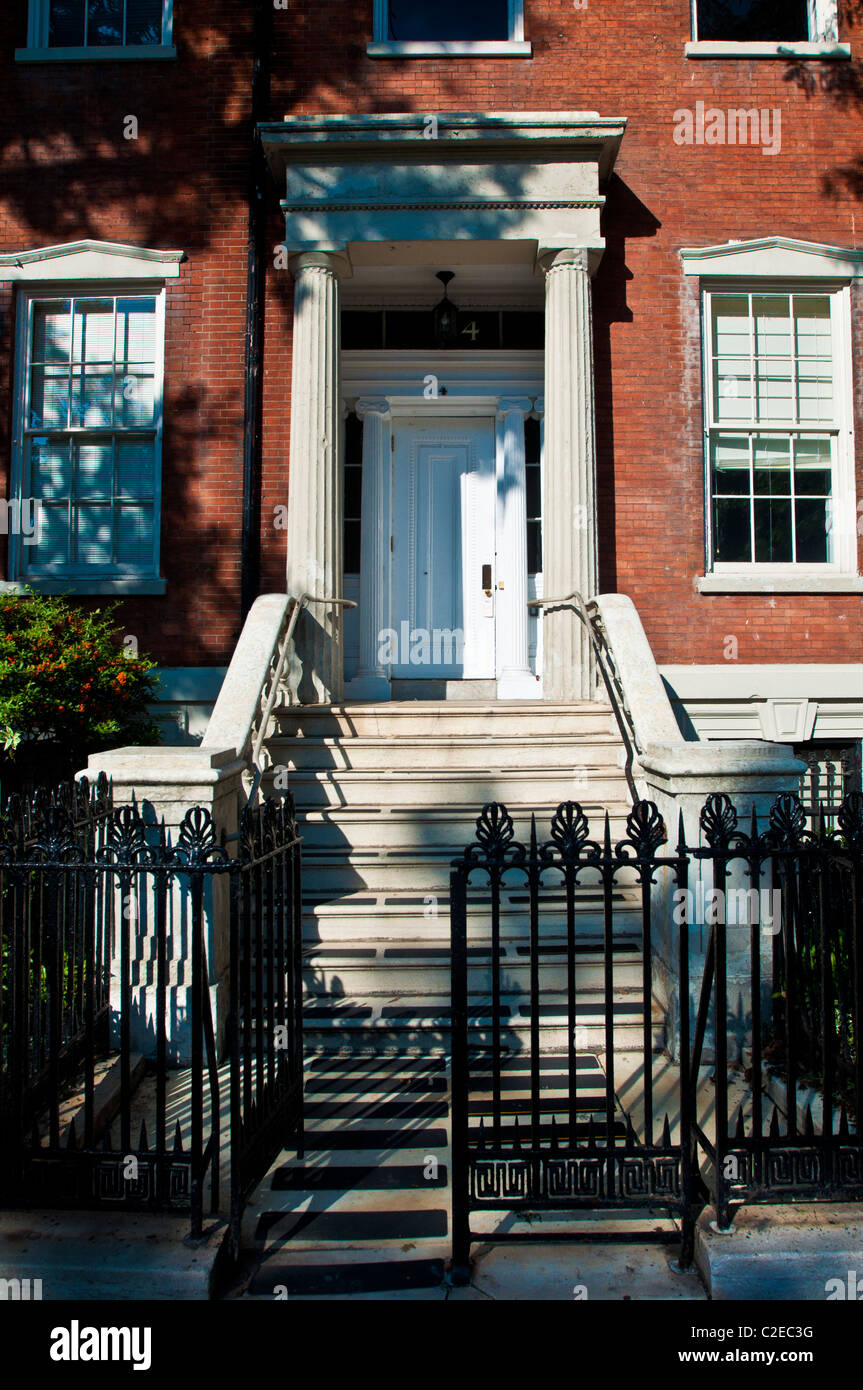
(328, 875)
(447, 718)
(361, 928)
(513, 898)
(423, 1029)
(361, 1214)
(588, 752)
(436, 787)
(430, 977)
(443, 829)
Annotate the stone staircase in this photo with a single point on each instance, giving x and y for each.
(387, 795)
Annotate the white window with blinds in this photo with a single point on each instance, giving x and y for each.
(778, 430)
(89, 424)
(81, 28)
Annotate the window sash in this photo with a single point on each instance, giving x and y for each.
(515, 19)
(40, 27)
(822, 22)
(835, 428)
(771, 489)
(105, 491)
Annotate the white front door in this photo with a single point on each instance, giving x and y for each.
(443, 550)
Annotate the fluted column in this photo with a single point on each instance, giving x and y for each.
(371, 681)
(315, 485)
(514, 679)
(569, 472)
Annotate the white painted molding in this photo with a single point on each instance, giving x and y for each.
(500, 48)
(806, 582)
(724, 48)
(775, 258)
(717, 683)
(110, 53)
(89, 260)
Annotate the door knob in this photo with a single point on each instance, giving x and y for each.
(486, 580)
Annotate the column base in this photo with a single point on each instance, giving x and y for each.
(518, 685)
(368, 687)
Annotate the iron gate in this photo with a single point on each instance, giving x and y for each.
(537, 1151)
(770, 1000)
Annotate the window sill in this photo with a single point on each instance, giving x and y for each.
(722, 48)
(110, 53)
(109, 584)
(498, 48)
(807, 582)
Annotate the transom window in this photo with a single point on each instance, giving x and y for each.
(90, 433)
(76, 24)
(773, 427)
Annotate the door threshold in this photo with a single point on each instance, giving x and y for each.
(443, 689)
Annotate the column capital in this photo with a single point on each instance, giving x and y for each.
(372, 405)
(581, 258)
(336, 262)
(508, 404)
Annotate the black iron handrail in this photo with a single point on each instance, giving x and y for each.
(296, 607)
(607, 669)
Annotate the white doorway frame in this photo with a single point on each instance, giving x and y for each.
(386, 388)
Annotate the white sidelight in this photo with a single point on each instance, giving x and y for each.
(515, 679)
(372, 679)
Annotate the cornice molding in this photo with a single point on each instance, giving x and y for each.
(774, 257)
(90, 260)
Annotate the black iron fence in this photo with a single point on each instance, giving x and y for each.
(793, 1132)
(669, 1009)
(132, 962)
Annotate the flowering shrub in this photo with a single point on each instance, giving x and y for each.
(64, 676)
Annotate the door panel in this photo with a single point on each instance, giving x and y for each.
(442, 536)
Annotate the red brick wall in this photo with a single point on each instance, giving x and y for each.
(68, 173)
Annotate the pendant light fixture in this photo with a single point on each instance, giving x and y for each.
(445, 315)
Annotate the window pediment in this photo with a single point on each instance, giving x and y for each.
(89, 260)
(775, 257)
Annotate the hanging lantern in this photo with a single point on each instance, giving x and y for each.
(445, 315)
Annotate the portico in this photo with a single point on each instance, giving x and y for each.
(374, 206)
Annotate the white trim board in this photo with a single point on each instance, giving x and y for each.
(773, 257)
(402, 375)
(89, 260)
(733, 681)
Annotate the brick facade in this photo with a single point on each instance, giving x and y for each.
(68, 173)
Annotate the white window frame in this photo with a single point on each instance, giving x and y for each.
(823, 41)
(82, 578)
(781, 265)
(76, 270)
(513, 47)
(38, 50)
